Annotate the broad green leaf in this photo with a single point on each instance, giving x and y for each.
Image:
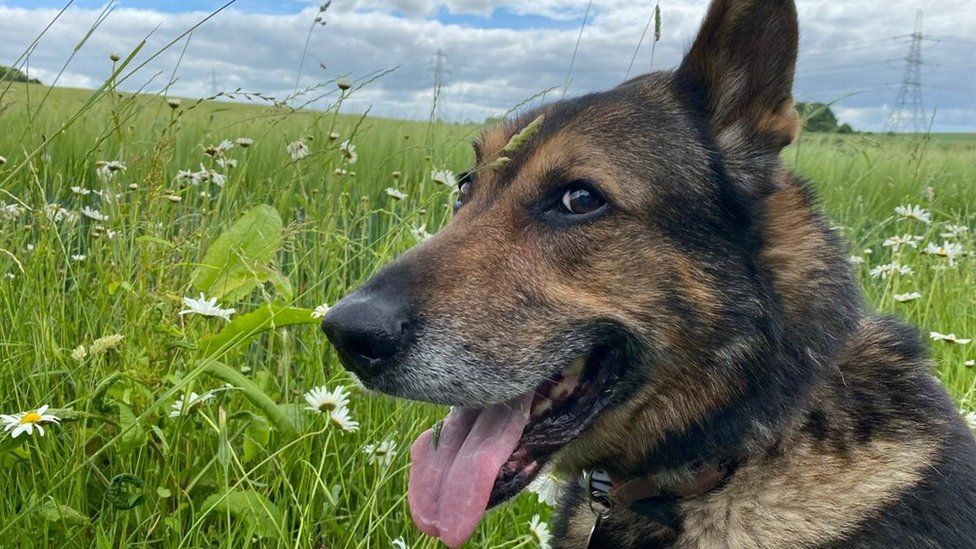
(256, 438)
(237, 260)
(52, 511)
(295, 412)
(248, 505)
(245, 328)
(133, 435)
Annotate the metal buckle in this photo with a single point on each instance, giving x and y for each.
(597, 486)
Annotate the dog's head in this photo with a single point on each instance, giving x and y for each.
(605, 257)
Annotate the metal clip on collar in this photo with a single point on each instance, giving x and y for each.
(597, 486)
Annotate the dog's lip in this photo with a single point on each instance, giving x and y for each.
(566, 421)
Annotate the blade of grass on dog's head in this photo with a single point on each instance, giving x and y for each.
(524, 135)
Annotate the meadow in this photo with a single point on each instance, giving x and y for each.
(117, 207)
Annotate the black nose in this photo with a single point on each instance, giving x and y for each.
(367, 330)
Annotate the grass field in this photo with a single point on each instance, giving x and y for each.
(251, 462)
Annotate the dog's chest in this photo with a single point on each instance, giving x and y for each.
(800, 500)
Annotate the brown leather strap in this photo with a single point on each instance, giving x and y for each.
(626, 493)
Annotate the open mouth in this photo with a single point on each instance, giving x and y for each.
(479, 458)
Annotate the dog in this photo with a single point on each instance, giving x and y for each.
(635, 291)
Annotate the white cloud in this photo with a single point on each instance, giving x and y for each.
(844, 48)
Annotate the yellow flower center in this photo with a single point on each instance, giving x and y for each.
(30, 417)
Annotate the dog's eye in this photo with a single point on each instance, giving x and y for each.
(464, 189)
(581, 201)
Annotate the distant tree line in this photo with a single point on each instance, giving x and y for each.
(10, 74)
(818, 118)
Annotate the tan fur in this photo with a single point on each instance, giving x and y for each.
(783, 123)
(793, 246)
(806, 497)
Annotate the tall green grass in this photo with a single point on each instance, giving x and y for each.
(70, 488)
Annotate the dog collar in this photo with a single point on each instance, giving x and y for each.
(645, 496)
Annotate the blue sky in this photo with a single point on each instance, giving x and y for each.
(497, 52)
(501, 17)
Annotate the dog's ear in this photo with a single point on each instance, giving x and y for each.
(741, 67)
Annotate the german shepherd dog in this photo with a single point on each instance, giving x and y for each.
(635, 289)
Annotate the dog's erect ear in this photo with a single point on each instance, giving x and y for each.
(742, 64)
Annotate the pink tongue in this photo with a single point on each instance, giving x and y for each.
(450, 485)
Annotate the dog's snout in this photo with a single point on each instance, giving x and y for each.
(366, 330)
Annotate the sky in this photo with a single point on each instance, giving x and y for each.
(494, 54)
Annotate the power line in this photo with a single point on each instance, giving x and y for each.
(909, 114)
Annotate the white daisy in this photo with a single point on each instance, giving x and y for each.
(949, 338)
(381, 454)
(320, 311)
(911, 296)
(93, 214)
(340, 418)
(226, 145)
(896, 242)
(227, 163)
(217, 179)
(194, 400)
(420, 233)
(106, 171)
(188, 176)
(855, 259)
(540, 532)
(78, 257)
(948, 250)
(321, 399)
(954, 231)
(244, 142)
(914, 213)
(297, 150)
(340, 171)
(891, 269)
(56, 213)
(205, 307)
(395, 193)
(334, 135)
(2, 161)
(80, 190)
(970, 418)
(969, 363)
(547, 487)
(444, 177)
(174, 198)
(348, 150)
(399, 543)
(27, 422)
(11, 211)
